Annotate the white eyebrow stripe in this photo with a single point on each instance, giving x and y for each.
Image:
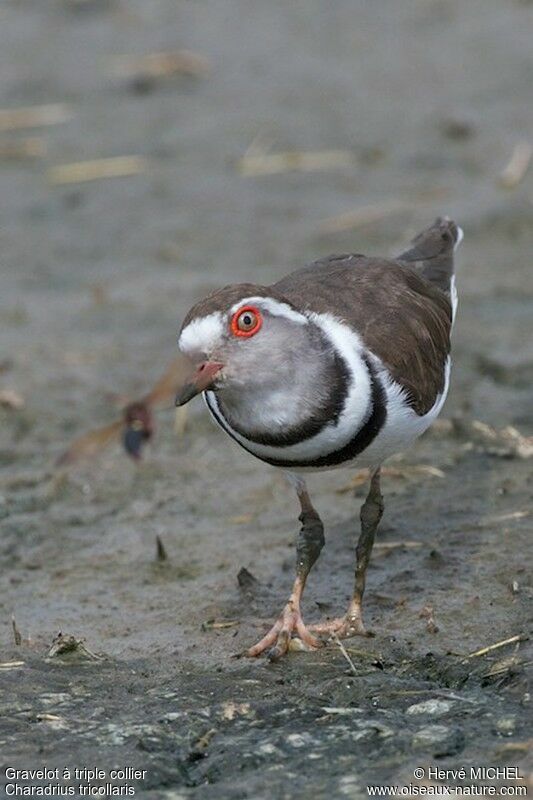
(274, 307)
(202, 334)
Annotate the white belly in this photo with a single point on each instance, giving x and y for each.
(401, 428)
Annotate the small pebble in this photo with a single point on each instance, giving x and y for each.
(432, 707)
(430, 735)
(506, 726)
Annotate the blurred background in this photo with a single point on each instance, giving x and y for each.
(152, 150)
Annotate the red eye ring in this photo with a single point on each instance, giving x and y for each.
(243, 326)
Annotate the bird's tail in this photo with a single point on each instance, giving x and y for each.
(432, 251)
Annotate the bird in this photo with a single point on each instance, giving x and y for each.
(135, 427)
(344, 362)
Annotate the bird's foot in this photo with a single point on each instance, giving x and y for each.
(278, 640)
(343, 627)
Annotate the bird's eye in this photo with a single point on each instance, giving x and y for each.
(246, 321)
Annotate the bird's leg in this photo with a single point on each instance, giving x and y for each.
(371, 512)
(310, 543)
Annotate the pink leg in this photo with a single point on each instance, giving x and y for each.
(310, 542)
(352, 623)
(277, 640)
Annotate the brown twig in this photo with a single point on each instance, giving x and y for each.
(428, 614)
(201, 744)
(16, 632)
(161, 551)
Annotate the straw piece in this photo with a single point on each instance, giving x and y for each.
(256, 164)
(344, 652)
(365, 215)
(81, 171)
(407, 471)
(31, 147)
(164, 64)
(491, 647)
(11, 399)
(515, 171)
(11, 119)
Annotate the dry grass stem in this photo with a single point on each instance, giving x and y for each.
(48, 718)
(202, 743)
(507, 442)
(6, 665)
(507, 517)
(515, 171)
(181, 416)
(66, 644)
(164, 64)
(12, 119)
(219, 625)
(502, 667)
(518, 747)
(407, 471)
(436, 692)
(364, 654)
(255, 164)
(345, 653)
(82, 171)
(386, 546)
(11, 399)
(18, 149)
(428, 614)
(484, 650)
(366, 215)
(241, 519)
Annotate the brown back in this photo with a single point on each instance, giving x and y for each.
(401, 317)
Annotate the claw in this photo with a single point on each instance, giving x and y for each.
(277, 641)
(343, 627)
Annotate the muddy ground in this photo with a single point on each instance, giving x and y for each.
(429, 97)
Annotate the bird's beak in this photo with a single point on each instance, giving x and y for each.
(201, 380)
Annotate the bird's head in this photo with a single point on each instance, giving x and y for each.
(240, 339)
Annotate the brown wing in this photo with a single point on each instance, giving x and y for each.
(401, 317)
(91, 443)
